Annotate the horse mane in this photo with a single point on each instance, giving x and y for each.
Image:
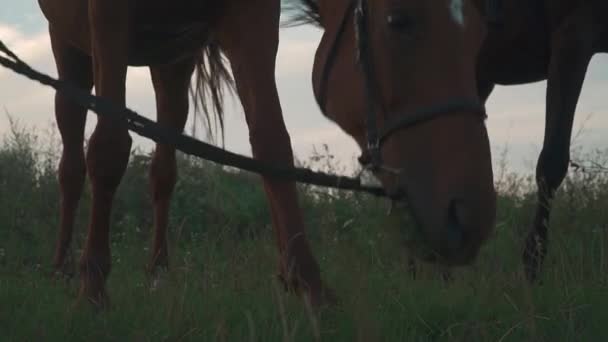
(301, 12)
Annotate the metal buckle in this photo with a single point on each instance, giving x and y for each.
(375, 159)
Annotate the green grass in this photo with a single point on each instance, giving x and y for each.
(222, 284)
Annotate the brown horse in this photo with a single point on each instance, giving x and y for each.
(432, 144)
(534, 40)
(431, 147)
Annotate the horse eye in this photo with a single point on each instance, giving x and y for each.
(399, 21)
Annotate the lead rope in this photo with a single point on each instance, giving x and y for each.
(188, 145)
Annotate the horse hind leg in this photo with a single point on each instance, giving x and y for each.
(107, 159)
(171, 88)
(110, 144)
(413, 269)
(75, 67)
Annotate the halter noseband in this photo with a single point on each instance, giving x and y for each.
(371, 157)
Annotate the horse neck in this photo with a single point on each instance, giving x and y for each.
(332, 9)
(482, 5)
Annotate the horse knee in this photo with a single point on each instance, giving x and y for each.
(552, 168)
(108, 156)
(271, 144)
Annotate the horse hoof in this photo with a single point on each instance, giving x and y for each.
(93, 292)
(447, 277)
(531, 265)
(325, 298)
(533, 256)
(157, 280)
(321, 297)
(97, 302)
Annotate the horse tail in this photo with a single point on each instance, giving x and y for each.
(301, 12)
(211, 79)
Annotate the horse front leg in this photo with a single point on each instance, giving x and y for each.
(249, 36)
(571, 52)
(110, 144)
(76, 67)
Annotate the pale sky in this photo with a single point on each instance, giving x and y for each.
(516, 113)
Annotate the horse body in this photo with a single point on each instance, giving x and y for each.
(160, 32)
(518, 51)
(551, 40)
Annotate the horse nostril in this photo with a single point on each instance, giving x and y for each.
(455, 228)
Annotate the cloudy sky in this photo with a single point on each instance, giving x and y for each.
(516, 114)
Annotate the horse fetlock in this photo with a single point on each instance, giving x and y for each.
(93, 285)
(309, 286)
(95, 267)
(63, 260)
(534, 254)
(300, 272)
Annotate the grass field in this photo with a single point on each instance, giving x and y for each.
(222, 285)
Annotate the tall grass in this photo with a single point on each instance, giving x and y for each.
(222, 284)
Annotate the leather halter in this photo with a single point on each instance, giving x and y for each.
(371, 157)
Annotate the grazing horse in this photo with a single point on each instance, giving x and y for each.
(534, 40)
(415, 113)
(399, 78)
